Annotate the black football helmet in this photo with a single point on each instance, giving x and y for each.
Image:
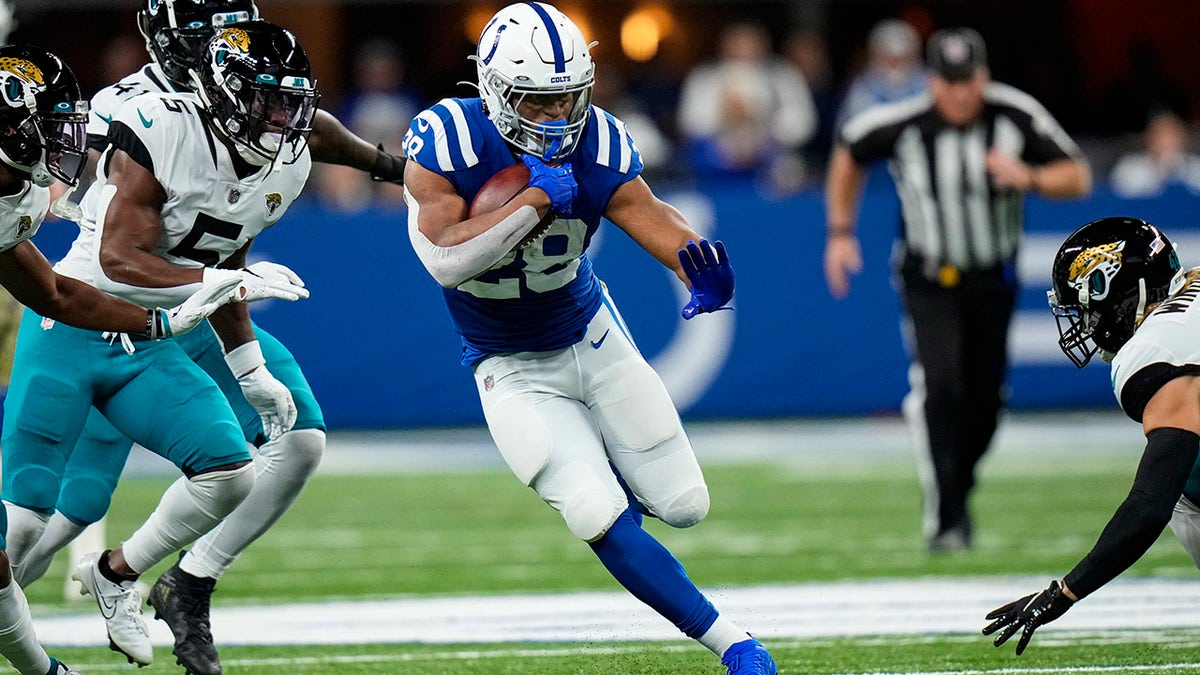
(1104, 277)
(177, 31)
(43, 117)
(258, 90)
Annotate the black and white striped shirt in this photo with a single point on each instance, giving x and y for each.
(952, 213)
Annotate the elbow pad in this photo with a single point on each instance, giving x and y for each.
(455, 265)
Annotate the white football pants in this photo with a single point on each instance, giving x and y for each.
(560, 417)
(1185, 522)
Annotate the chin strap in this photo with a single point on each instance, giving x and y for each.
(1141, 310)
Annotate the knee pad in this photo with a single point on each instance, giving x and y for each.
(84, 501)
(588, 504)
(296, 454)
(32, 487)
(687, 508)
(670, 484)
(218, 493)
(636, 407)
(521, 436)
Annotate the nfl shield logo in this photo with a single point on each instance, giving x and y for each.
(47, 323)
(234, 195)
(488, 383)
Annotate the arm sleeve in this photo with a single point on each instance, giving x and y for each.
(455, 265)
(1141, 518)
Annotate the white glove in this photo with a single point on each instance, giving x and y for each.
(262, 281)
(215, 290)
(267, 395)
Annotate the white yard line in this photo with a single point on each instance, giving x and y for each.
(819, 610)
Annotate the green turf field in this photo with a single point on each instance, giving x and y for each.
(480, 532)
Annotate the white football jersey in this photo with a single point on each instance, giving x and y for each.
(21, 214)
(209, 212)
(106, 102)
(1165, 346)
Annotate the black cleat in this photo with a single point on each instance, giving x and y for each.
(182, 602)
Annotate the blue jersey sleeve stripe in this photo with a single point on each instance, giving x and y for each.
(462, 132)
(560, 61)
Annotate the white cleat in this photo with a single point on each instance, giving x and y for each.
(121, 607)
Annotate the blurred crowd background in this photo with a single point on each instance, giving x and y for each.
(734, 105)
(728, 90)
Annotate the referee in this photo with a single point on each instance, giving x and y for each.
(963, 155)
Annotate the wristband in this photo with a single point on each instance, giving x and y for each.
(158, 325)
(387, 167)
(244, 359)
(832, 230)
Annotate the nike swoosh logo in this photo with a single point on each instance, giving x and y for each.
(107, 610)
(107, 118)
(596, 343)
(145, 122)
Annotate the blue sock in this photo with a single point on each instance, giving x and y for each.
(648, 570)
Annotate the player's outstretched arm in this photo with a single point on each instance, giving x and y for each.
(26, 273)
(664, 233)
(1172, 424)
(332, 143)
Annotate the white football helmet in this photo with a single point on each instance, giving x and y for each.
(533, 49)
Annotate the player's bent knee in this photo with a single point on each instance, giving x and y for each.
(521, 436)
(590, 513)
(299, 450)
(588, 502)
(640, 413)
(85, 501)
(218, 493)
(33, 487)
(687, 509)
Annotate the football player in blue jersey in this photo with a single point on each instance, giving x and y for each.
(574, 408)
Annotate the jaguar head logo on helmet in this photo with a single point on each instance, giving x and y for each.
(177, 31)
(533, 59)
(42, 116)
(1105, 276)
(257, 89)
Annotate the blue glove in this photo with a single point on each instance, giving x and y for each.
(710, 274)
(556, 181)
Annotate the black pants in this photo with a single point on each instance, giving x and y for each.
(960, 341)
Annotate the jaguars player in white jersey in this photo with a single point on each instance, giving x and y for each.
(573, 407)
(1118, 290)
(177, 35)
(42, 121)
(185, 186)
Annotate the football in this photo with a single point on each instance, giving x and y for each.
(501, 188)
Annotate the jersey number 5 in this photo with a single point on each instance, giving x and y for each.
(205, 224)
